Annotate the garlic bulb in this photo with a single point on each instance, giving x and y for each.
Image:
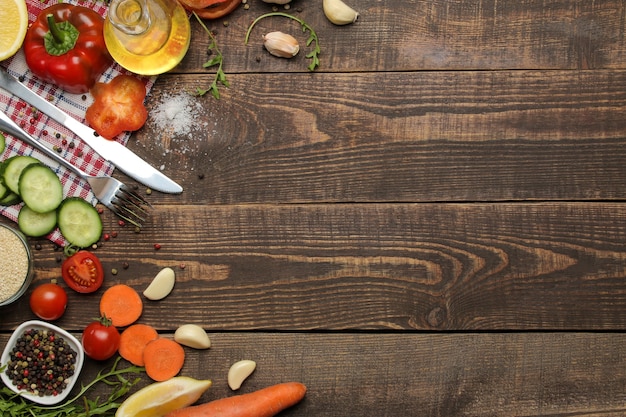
(339, 12)
(281, 44)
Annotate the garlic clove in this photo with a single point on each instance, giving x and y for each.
(339, 12)
(192, 336)
(238, 373)
(281, 44)
(162, 284)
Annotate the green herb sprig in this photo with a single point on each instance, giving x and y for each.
(11, 404)
(217, 59)
(313, 55)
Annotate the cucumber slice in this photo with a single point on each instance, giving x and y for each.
(79, 222)
(12, 169)
(36, 224)
(10, 199)
(40, 188)
(3, 142)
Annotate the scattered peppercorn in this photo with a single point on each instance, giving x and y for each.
(125, 265)
(157, 246)
(114, 271)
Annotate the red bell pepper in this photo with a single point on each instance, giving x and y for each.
(118, 106)
(65, 46)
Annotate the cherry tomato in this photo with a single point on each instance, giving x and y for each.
(100, 339)
(83, 272)
(48, 301)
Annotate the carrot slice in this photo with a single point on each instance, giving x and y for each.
(163, 359)
(133, 341)
(266, 402)
(121, 304)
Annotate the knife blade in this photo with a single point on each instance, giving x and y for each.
(114, 152)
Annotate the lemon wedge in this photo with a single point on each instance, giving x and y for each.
(14, 18)
(161, 398)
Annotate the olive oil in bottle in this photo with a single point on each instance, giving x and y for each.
(147, 37)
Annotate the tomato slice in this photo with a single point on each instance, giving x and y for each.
(83, 272)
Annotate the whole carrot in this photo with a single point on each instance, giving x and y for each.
(266, 402)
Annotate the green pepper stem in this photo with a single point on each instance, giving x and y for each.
(61, 38)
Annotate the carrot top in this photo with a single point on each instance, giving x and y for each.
(121, 304)
(163, 359)
(133, 341)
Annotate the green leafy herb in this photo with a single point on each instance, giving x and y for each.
(11, 404)
(218, 59)
(313, 55)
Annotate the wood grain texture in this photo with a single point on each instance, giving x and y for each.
(432, 223)
(375, 266)
(431, 35)
(427, 375)
(436, 136)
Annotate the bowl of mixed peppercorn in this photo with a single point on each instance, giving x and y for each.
(41, 362)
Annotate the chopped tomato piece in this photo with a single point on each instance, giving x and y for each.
(118, 106)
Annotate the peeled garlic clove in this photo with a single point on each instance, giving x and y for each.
(192, 336)
(238, 373)
(281, 44)
(339, 12)
(162, 284)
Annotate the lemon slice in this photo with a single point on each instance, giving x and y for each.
(14, 18)
(160, 398)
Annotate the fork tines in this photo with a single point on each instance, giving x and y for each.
(130, 206)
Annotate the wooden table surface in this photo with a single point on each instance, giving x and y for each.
(432, 223)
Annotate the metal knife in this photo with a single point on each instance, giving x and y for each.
(116, 153)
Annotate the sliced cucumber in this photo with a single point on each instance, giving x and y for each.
(36, 224)
(12, 169)
(4, 191)
(40, 188)
(10, 199)
(79, 222)
(3, 142)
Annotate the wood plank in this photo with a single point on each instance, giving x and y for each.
(444, 136)
(429, 35)
(545, 266)
(396, 374)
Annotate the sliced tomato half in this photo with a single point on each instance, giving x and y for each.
(83, 272)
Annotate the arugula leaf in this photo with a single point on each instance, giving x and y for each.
(13, 405)
(218, 59)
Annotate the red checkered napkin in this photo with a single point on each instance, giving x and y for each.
(47, 130)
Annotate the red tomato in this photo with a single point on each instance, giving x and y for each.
(83, 272)
(48, 301)
(100, 340)
(213, 11)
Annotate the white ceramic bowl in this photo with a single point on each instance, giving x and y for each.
(69, 339)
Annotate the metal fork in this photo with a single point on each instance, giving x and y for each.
(114, 194)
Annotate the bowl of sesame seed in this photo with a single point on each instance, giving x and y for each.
(16, 265)
(41, 362)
